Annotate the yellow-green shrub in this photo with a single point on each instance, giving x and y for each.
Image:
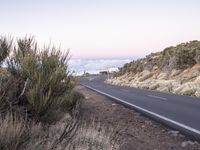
(40, 81)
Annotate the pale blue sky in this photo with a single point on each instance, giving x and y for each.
(103, 28)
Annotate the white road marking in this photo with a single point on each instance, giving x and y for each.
(149, 112)
(158, 97)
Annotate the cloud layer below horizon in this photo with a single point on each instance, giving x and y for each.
(95, 65)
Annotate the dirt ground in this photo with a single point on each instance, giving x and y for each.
(134, 131)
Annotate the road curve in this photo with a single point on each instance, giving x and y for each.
(179, 112)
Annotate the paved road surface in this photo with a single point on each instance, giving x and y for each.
(179, 112)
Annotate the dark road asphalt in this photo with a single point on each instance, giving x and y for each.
(179, 112)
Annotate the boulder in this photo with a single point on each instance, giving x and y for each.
(154, 86)
(164, 89)
(155, 68)
(175, 72)
(197, 80)
(186, 89)
(197, 93)
(162, 76)
(145, 75)
(178, 90)
(143, 85)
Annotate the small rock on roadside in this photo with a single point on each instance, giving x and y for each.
(163, 130)
(185, 143)
(173, 133)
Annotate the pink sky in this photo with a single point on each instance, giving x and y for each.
(106, 28)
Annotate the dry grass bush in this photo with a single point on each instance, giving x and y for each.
(94, 136)
(66, 134)
(15, 131)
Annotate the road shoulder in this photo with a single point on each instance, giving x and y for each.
(134, 131)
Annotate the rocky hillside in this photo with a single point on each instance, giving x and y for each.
(175, 69)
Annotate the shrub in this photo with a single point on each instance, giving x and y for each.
(38, 81)
(5, 46)
(197, 57)
(36, 91)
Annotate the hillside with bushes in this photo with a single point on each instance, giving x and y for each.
(176, 69)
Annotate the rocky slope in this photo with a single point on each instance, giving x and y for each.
(175, 69)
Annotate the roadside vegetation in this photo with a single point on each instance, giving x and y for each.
(176, 69)
(39, 108)
(182, 56)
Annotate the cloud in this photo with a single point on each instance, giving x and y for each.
(95, 65)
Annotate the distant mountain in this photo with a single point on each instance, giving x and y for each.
(175, 69)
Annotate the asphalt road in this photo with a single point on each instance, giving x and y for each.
(179, 112)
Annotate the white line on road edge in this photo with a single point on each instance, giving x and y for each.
(147, 111)
(157, 97)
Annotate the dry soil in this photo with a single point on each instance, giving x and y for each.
(134, 131)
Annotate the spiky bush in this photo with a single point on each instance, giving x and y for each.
(5, 46)
(39, 83)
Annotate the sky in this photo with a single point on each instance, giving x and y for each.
(103, 28)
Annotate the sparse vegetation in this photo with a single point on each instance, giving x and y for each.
(181, 56)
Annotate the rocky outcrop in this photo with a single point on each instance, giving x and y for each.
(185, 82)
(175, 69)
